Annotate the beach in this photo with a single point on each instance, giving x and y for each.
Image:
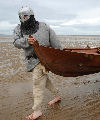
(80, 95)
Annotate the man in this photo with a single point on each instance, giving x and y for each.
(45, 36)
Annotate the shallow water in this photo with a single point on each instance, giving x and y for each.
(80, 95)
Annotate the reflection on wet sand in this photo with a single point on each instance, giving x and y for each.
(80, 95)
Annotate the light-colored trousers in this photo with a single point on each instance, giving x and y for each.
(40, 82)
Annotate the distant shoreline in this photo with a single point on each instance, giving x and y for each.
(10, 38)
(5, 36)
(79, 35)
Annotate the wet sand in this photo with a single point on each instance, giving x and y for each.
(80, 95)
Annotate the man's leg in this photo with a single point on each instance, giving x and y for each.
(39, 83)
(50, 87)
(38, 92)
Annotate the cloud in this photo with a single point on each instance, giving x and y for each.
(88, 21)
(6, 27)
(53, 20)
(54, 26)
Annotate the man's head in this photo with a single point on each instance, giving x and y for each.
(28, 23)
(25, 13)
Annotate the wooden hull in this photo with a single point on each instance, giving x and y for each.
(68, 62)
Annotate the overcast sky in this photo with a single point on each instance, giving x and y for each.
(64, 16)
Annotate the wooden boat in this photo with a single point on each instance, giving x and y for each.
(69, 62)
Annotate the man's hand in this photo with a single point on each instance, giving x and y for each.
(31, 40)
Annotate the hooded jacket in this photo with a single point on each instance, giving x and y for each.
(44, 35)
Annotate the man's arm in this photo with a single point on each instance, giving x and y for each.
(54, 41)
(19, 41)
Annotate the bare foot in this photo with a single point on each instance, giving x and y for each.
(56, 99)
(34, 115)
